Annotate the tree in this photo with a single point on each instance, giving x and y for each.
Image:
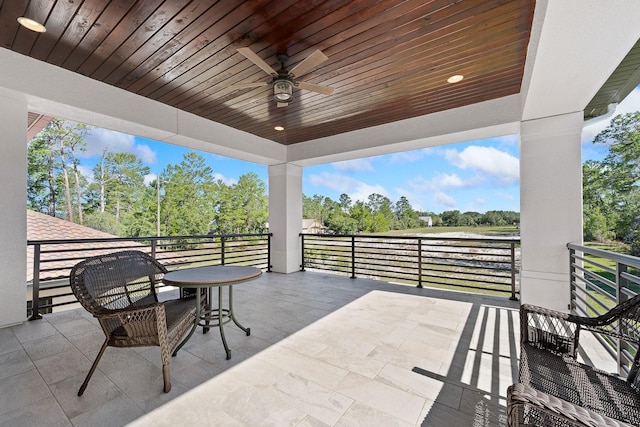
(38, 186)
(55, 146)
(622, 163)
(451, 218)
(362, 215)
(190, 197)
(243, 207)
(381, 211)
(345, 202)
(405, 216)
(120, 178)
(341, 223)
(313, 208)
(598, 203)
(611, 186)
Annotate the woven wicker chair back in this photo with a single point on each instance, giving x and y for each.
(115, 281)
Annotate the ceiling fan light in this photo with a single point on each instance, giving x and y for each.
(283, 91)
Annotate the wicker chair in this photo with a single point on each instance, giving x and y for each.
(555, 389)
(119, 289)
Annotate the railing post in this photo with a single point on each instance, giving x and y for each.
(154, 243)
(513, 272)
(221, 250)
(419, 263)
(353, 257)
(35, 284)
(621, 283)
(302, 250)
(269, 252)
(572, 280)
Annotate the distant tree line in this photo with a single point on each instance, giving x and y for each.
(611, 191)
(185, 199)
(379, 214)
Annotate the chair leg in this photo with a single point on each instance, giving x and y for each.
(93, 367)
(166, 378)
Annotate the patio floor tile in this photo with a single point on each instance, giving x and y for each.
(323, 351)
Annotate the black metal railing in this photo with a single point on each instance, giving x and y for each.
(487, 265)
(52, 260)
(600, 280)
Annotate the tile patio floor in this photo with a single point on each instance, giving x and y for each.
(324, 350)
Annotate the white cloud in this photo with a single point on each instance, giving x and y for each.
(356, 190)
(442, 199)
(86, 172)
(493, 162)
(443, 181)
(149, 178)
(98, 140)
(145, 153)
(224, 179)
(356, 165)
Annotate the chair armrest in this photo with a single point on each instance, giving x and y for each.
(529, 407)
(137, 321)
(549, 329)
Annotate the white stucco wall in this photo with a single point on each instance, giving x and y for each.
(13, 221)
(550, 206)
(285, 216)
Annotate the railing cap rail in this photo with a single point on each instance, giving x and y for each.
(435, 236)
(136, 239)
(629, 260)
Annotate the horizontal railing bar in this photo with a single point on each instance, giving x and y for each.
(619, 258)
(468, 263)
(593, 263)
(172, 251)
(465, 286)
(591, 276)
(630, 277)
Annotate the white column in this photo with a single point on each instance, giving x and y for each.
(285, 216)
(13, 216)
(550, 206)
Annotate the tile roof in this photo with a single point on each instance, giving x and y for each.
(57, 262)
(45, 227)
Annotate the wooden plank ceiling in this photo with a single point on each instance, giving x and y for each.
(388, 59)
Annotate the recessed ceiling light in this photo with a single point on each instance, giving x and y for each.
(278, 128)
(455, 79)
(31, 24)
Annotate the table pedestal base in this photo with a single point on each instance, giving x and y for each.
(219, 317)
(212, 317)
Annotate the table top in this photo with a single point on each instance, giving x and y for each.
(213, 275)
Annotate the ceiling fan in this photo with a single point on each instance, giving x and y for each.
(283, 80)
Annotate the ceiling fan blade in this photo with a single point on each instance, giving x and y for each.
(325, 90)
(247, 85)
(311, 61)
(282, 104)
(251, 56)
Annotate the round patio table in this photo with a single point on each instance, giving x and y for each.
(209, 277)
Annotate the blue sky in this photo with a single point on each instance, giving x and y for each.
(472, 176)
